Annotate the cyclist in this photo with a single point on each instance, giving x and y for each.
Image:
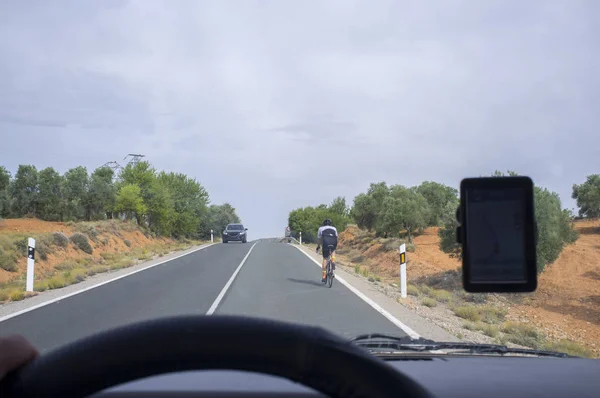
(326, 236)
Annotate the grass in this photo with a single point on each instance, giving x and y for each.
(16, 295)
(569, 347)
(364, 272)
(428, 302)
(441, 295)
(412, 290)
(470, 313)
(488, 330)
(491, 314)
(523, 334)
(357, 268)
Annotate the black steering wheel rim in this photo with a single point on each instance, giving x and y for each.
(308, 355)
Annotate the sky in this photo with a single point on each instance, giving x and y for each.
(274, 105)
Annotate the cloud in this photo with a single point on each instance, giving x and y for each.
(275, 105)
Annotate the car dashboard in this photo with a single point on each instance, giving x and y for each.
(481, 376)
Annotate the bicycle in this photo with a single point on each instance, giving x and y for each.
(330, 267)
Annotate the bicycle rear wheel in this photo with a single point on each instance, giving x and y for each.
(329, 274)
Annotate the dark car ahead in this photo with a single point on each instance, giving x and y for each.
(234, 233)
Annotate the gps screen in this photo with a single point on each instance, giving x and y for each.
(495, 230)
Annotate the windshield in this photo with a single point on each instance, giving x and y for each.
(136, 135)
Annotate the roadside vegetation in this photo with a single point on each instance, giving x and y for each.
(87, 249)
(165, 203)
(384, 217)
(97, 222)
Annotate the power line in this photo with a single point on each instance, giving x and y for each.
(135, 158)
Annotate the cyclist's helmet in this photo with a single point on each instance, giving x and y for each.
(327, 222)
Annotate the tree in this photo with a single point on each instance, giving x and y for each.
(588, 196)
(439, 198)
(338, 206)
(75, 187)
(5, 198)
(404, 209)
(367, 209)
(190, 202)
(555, 228)
(218, 216)
(101, 195)
(129, 202)
(49, 198)
(25, 190)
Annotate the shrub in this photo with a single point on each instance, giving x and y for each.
(60, 239)
(56, 282)
(410, 247)
(441, 295)
(127, 242)
(492, 315)
(81, 241)
(16, 295)
(357, 259)
(488, 330)
(97, 270)
(42, 250)
(569, 347)
(523, 334)
(8, 260)
(40, 286)
(357, 268)
(66, 266)
(371, 279)
(412, 290)
(21, 246)
(467, 312)
(377, 278)
(429, 302)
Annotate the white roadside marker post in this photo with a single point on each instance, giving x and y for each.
(300, 237)
(212, 238)
(403, 270)
(30, 264)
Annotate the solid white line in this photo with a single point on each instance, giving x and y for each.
(214, 305)
(54, 300)
(367, 300)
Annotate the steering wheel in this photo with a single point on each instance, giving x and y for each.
(308, 355)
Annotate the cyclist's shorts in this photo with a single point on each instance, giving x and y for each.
(326, 252)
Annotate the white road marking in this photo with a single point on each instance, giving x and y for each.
(54, 300)
(367, 300)
(214, 305)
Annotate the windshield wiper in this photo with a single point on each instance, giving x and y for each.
(382, 342)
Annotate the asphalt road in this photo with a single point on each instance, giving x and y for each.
(276, 281)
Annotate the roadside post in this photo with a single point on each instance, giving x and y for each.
(212, 238)
(30, 264)
(403, 270)
(300, 237)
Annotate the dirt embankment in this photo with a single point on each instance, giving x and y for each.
(565, 307)
(67, 253)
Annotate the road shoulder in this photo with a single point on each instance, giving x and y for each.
(418, 324)
(14, 308)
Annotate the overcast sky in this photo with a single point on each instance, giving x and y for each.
(274, 105)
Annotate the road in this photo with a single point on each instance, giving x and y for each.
(276, 281)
